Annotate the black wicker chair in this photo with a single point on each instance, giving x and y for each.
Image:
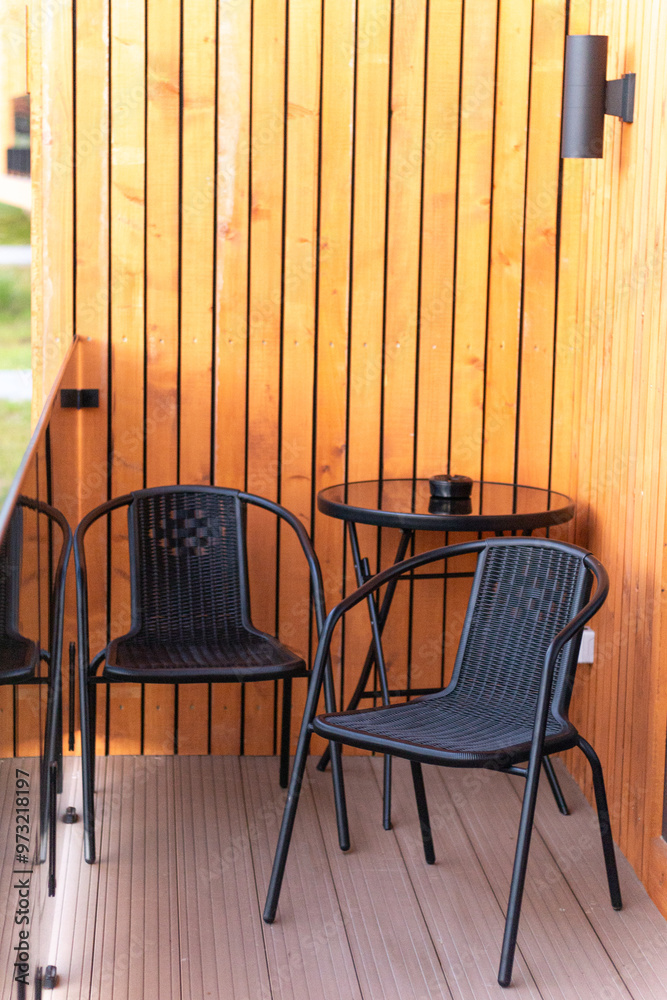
(190, 612)
(20, 656)
(507, 702)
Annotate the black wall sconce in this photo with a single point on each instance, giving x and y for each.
(588, 96)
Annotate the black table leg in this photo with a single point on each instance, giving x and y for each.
(378, 620)
(375, 654)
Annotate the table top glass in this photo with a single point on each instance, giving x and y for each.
(407, 503)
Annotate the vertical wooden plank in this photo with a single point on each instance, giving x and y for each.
(298, 356)
(233, 129)
(197, 251)
(540, 246)
(52, 224)
(163, 54)
(35, 88)
(438, 234)
(364, 433)
(265, 333)
(439, 197)
(335, 194)
(507, 240)
(473, 231)
(404, 213)
(473, 222)
(92, 312)
(197, 270)
(569, 369)
(403, 237)
(127, 325)
(163, 67)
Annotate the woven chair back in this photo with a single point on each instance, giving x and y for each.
(522, 597)
(187, 567)
(10, 574)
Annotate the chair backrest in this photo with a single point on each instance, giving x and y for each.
(524, 592)
(11, 552)
(187, 565)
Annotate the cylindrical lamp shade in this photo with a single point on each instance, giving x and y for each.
(584, 86)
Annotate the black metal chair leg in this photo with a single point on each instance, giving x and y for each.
(287, 825)
(50, 736)
(339, 797)
(519, 873)
(555, 787)
(386, 793)
(285, 731)
(605, 823)
(422, 811)
(88, 696)
(335, 750)
(59, 748)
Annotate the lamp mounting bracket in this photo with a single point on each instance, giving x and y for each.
(620, 97)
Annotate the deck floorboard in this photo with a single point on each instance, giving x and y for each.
(172, 908)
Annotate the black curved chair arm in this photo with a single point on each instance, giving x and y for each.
(306, 545)
(399, 568)
(58, 591)
(82, 577)
(53, 655)
(58, 597)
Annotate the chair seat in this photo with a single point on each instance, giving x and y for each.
(255, 657)
(18, 658)
(443, 729)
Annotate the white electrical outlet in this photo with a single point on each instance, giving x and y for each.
(587, 648)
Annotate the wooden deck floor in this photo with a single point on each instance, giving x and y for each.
(172, 908)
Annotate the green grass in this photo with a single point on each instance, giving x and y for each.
(14, 344)
(15, 317)
(14, 225)
(14, 438)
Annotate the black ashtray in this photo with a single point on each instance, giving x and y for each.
(450, 505)
(451, 487)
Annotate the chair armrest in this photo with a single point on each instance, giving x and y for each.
(317, 585)
(57, 598)
(82, 576)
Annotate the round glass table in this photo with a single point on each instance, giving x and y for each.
(407, 504)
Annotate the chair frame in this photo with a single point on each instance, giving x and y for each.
(570, 633)
(88, 679)
(51, 777)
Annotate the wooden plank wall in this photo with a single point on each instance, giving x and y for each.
(614, 324)
(311, 245)
(319, 241)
